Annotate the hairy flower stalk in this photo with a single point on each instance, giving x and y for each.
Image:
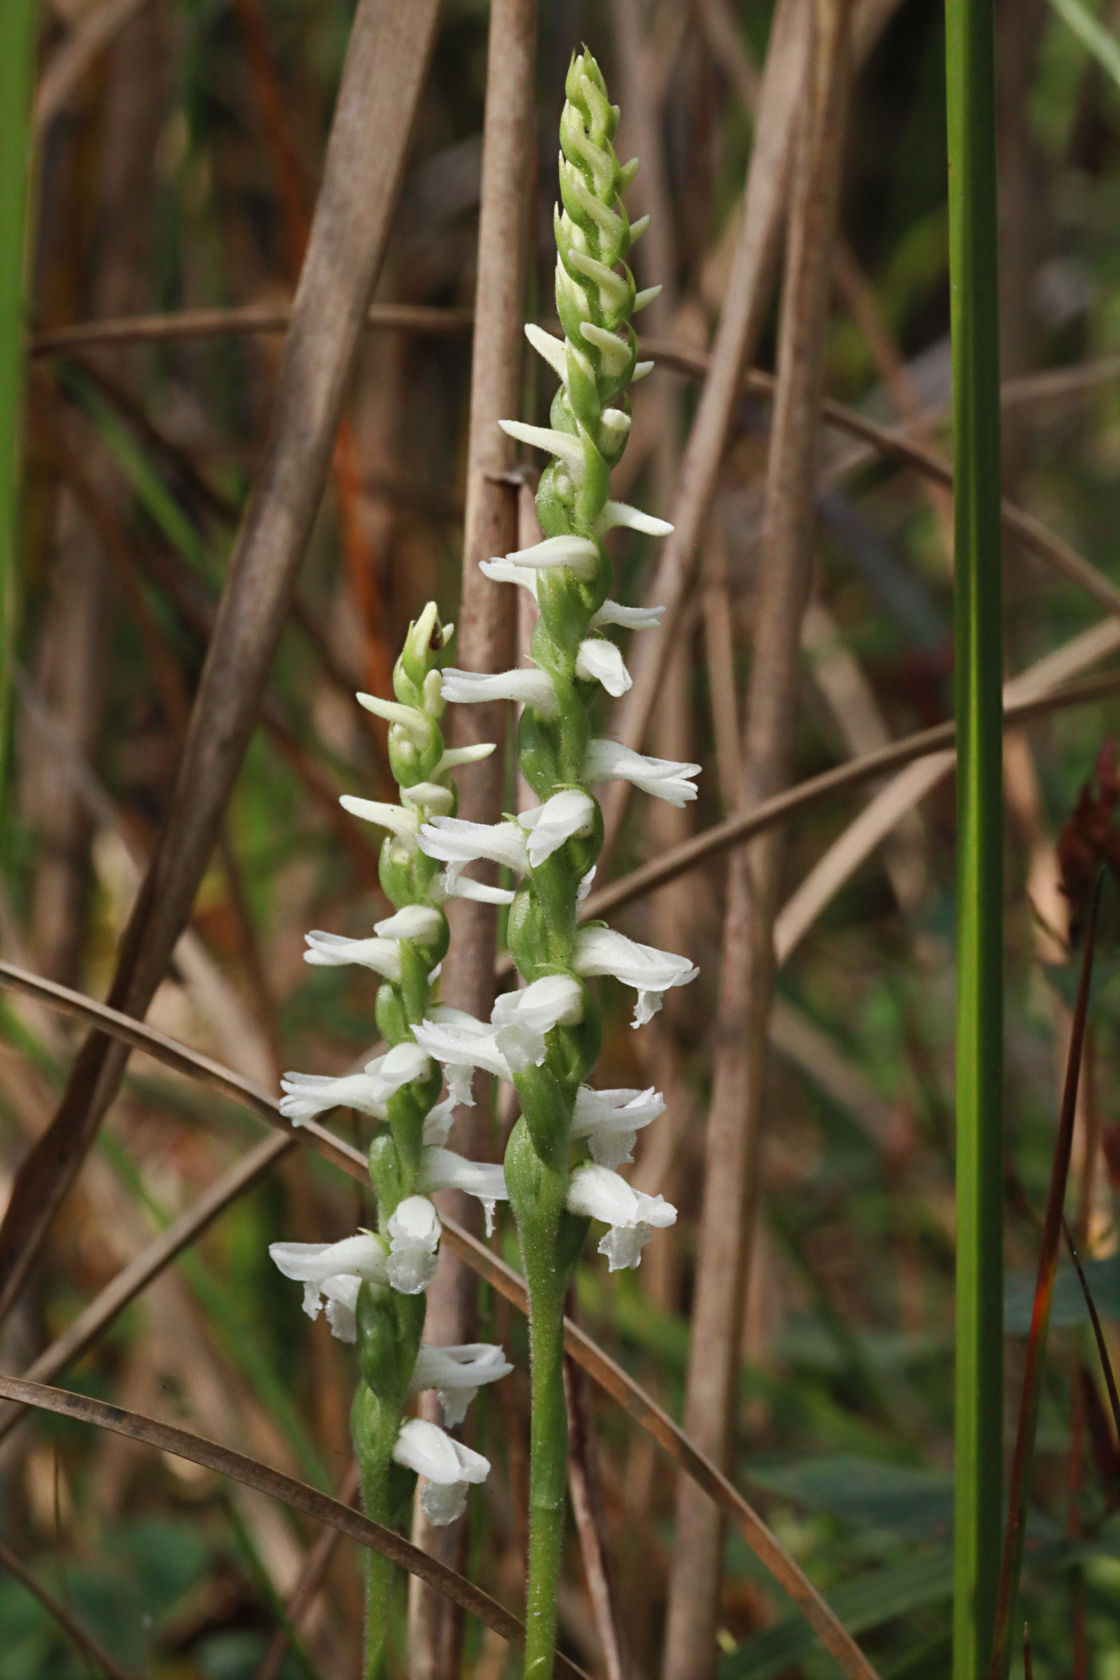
(373, 1283)
(545, 1039)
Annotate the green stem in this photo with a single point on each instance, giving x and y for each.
(374, 1428)
(970, 65)
(548, 1451)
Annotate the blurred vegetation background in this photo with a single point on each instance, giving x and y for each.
(178, 151)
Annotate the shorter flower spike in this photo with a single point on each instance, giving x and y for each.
(457, 1374)
(631, 1214)
(447, 1466)
(600, 950)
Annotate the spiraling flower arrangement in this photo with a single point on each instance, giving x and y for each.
(564, 1151)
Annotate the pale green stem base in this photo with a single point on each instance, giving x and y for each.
(547, 1478)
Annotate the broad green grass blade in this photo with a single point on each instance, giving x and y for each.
(970, 81)
(17, 34)
(1100, 41)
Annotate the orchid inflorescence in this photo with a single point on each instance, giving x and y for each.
(543, 1039)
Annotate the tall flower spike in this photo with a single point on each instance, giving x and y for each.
(545, 1037)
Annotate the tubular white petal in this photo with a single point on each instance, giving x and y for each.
(553, 350)
(522, 1020)
(600, 950)
(332, 950)
(416, 921)
(638, 228)
(465, 1043)
(439, 1122)
(563, 445)
(645, 296)
(461, 886)
(663, 777)
(414, 1230)
(407, 718)
(456, 842)
(569, 812)
(631, 1214)
(642, 370)
(443, 1169)
(428, 799)
(456, 756)
(404, 824)
(499, 570)
(526, 684)
(600, 661)
(615, 351)
(398, 1066)
(630, 618)
(578, 553)
(308, 1094)
(621, 514)
(334, 1271)
(616, 423)
(457, 1374)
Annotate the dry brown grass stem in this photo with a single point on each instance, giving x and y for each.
(746, 963)
(386, 61)
(484, 642)
(602, 1370)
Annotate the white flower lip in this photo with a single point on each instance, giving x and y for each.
(416, 921)
(600, 661)
(567, 813)
(457, 1373)
(522, 1020)
(616, 514)
(409, 718)
(414, 1231)
(665, 778)
(308, 1094)
(502, 571)
(334, 1271)
(610, 1121)
(600, 950)
(443, 1169)
(447, 1466)
(333, 950)
(553, 350)
(631, 1215)
(525, 684)
(464, 1043)
(563, 445)
(455, 885)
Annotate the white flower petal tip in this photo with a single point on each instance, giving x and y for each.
(579, 554)
(553, 350)
(418, 922)
(332, 950)
(414, 1230)
(563, 445)
(404, 824)
(600, 950)
(567, 813)
(522, 1020)
(645, 296)
(457, 1374)
(408, 718)
(621, 514)
(627, 618)
(611, 1120)
(526, 685)
(642, 370)
(600, 661)
(456, 842)
(333, 1272)
(631, 1214)
(663, 777)
(428, 799)
(454, 885)
(461, 1044)
(447, 1466)
(455, 757)
(500, 570)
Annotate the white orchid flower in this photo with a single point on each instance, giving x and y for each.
(569, 812)
(627, 618)
(403, 824)
(611, 1120)
(461, 1044)
(334, 1272)
(333, 950)
(457, 842)
(600, 950)
(454, 885)
(522, 1020)
(665, 778)
(414, 1230)
(579, 554)
(527, 685)
(443, 1169)
(631, 1214)
(308, 1094)
(457, 1374)
(630, 518)
(504, 571)
(600, 661)
(447, 1466)
(415, 921)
